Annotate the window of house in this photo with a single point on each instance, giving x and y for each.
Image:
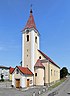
(54, 72)
(17, 71)
(35, 74)
(39, 57)
(27, 50)
(51, 72)
(27, 79)
(36, 39)
(27, 38)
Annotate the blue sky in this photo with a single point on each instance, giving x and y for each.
(52, 18)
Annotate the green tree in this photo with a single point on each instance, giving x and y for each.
(63, 72)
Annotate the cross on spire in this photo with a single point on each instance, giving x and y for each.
(31, 9)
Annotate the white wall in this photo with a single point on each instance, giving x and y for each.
(39, 79)
(13, 80)
(22, 82)
(22, 49)
(5, 73)
(38, 42)
(30, 80)
(32, 50)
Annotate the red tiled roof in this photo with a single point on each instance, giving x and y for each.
(30, 23)
(39, 64)
(48, 58)
(25, 70)
(11, 70)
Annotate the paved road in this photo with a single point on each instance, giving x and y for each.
(6, 90)
(65, 89)
(5, 84)
(61, 90)
(16, 92)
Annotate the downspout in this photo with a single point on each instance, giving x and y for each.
(48, 72)
(44, 76)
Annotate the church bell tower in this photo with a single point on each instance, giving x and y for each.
(30, 43)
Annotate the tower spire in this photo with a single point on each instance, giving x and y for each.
(30, 23)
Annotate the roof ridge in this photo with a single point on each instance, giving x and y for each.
(48, 58)
(39, 63)
(25, 70)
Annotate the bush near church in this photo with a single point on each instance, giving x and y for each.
(63, 72)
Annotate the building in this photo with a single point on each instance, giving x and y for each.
(44, 70)
(22, 77)
(10, 73)
(4, 71)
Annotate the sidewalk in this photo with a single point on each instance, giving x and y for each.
(5, 84)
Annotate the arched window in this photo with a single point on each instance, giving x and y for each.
(35, 39)
(51, 72)
(27, 38)
(35, 74)
(54, 72)
(39, 57)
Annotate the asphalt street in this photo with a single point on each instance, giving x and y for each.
(6, 90)
(65, 89)
(61, 90)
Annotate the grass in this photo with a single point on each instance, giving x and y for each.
(56, 84)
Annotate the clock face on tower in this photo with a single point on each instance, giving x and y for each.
(27, 31)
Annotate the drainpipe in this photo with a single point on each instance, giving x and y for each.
(48, 72)
(27, 75)
(44, 76)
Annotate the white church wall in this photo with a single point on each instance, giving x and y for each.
(22, 49)
(38, 42)
(39, 79)
(32, 50)
(39, 54)
(27, 51)
(46, 73)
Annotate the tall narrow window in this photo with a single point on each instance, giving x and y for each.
(51, 72)
(54, 72)
(27, 38)
(36, 39)
(35, 74)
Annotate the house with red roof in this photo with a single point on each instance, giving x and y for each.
(10, 73)
(22, 77)
(37, 68)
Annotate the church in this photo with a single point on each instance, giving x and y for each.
(37, 68)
